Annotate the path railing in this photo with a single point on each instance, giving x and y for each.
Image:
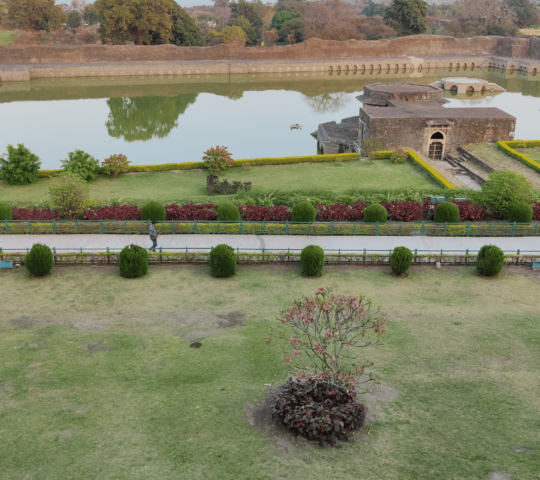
(470, 229)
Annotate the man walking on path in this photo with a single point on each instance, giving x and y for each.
(153, 236)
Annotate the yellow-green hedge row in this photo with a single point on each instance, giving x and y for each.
(434, 174)
(508, 148)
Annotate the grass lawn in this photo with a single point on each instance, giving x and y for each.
(171, 186)
(499, 161)
(97, 379)
(532, 153)
(7, 37)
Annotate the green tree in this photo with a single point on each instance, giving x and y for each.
(21, 167)
(408, 15)
(185, 31)
(296, 7)
(74, 19)
(251, 11)
(372, 9)
(505, 189)
(91, 16)
(143, 118)
(279, 18)
(234, 36)
(294, 27)
(36, 14)
(69, 195)
(526, 12)
(248, 29)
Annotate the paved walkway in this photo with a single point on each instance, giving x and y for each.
(269, 242)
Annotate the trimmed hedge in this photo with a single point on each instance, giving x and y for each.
(400, 260)
(133, 261)
(154, 211)
(304, 212)
(375, 213)
(490, 260)
(223, 261)
(39, 260)
(434, 174)
(447, 212)
(520, 213)
(312, 260)
(6, 212)
(228, 213)
(508, 148)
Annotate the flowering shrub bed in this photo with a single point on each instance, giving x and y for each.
(340, 212)
(191, 211)
(35, 214)
(404, 211)
(116, 212)
(255, 213)
(536, 211)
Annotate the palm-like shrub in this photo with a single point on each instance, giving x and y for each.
(39, 260)
(490, 260)
(223, 261)
(6, 212)
(400, 260)
(312, 260)
(133, 261)
(447, 212)
(520, 212)
(154, 211)
(304, 212)
(21, 167)
(228, 212)
(375, 213)
(82, 164)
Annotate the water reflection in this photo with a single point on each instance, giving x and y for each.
(328, 102)
(143, 118)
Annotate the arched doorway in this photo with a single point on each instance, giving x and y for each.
(436, 146)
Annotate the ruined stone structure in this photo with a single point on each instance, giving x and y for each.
(464, 85)
(413, 116)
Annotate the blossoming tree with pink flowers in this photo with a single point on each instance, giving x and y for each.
(325, 335)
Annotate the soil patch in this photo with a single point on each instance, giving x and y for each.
(97, 346)
(229, 320)
(311, 276)
(22, 322)
(401, 275)
(88, 324)
(196, 345)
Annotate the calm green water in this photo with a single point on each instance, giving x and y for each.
(165, 119)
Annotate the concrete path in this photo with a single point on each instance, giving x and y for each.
(269, 242)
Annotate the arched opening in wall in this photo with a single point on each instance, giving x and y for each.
(379, 68)
(330, 70)
(428, 67)
(437, 136)
(387, 68)
(338, 70)
(535, 71)
(511, 69)
(464, 66)
(470, 91)
(483, 91)
(396, 68)
(419, 68)
(453, 90)
(404, 69)
(355, 70)
(472, 67)
(457, 67)
(363, 70)
(435, 150)
(370, 69)
(346, 69)
(450, 67)
(411, 69)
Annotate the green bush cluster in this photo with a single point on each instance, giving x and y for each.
(133, 261)
(312, 260)
(375, 213)
(304, 212)
(520, 213)
(21, 167)
(82, 164)
(504, 190)
(227, 212)
(6, 212)
(490, 260)
(223, 261)
(400, 260)
(447, 212)
(153, 211)
(39, 260)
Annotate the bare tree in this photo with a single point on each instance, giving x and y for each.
(224, 13)
(328, 102)
(79, 5)
(485, 12)
(329, 20)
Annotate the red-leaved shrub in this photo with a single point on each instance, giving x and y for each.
(404, 211)
(254, 213)
(340, 212)
(536, 211)
(114, 212)
(35, 214)
(191, 211)
(469, 212)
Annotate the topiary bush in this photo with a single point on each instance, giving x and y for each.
(133, 261)
(312, 260)
(519, 212)
(39, 260)
(447, 212)
(228, 212)
(490, 260)
(154, 211)
(21, 167)
(223, 261)
(375, 213)
(303, 212)
(6, 212)
(400, 260)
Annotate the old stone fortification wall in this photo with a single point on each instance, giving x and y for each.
(418, 46)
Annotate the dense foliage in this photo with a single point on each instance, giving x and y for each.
(504, 189)
(6, 212)
(401, 260)
(69, 195)
(318, 411)
(228, 212)
(82, 164)
(490, 260)
(39, 260)
(217, 159)
(133, 261)
(114, 212)
(375, 213)
(404, 211)
(312, 260)
(303, 212)
(520, 213)
(407, 16)
(36, 14)
(447, 212)
(21, 167)
(223, 261)
(154, 211)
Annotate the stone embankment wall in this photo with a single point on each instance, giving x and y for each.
(413, 53)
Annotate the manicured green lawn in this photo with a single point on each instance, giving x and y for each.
(533, 153)
(171, 186)
(7, 37)
(97, 379)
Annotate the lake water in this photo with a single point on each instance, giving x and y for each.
(162, 120)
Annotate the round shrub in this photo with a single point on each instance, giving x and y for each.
(490, 260)
(303, 212)
(400, 260)
(223, 261)
(81, 163)
(21, 167)
(228, 212)
(375, 213)
(133, 261)
(312, 260)
(6, 212)
(153, 211)
(39, 260)
(519, 212)
(447, 212)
